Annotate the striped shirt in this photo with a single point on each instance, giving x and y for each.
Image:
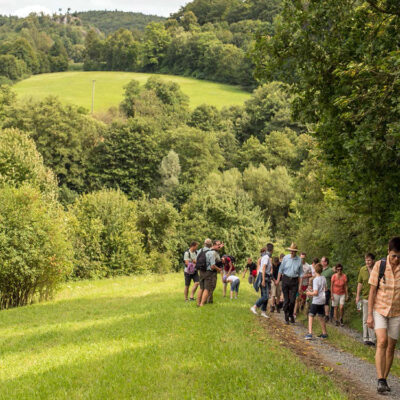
(387, 301)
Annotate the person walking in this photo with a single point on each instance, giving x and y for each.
(206, 265)
(307, 274)
(340, 293)
(318, 303)
(190, 271)
(290, 272)
(363, 286)
(327, 272)
(384, 310)
(252, 268)
(263, 282)
(275, 289)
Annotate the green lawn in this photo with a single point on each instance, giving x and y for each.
(134, 338)
(76, 87)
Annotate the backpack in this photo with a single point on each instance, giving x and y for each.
(201, 263)
(382, 269)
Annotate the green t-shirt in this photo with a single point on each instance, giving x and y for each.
(363, 277)
(327, 273)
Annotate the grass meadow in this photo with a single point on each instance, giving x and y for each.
(135, 338)
(76, 87)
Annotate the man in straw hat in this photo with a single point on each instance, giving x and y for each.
(290, 272)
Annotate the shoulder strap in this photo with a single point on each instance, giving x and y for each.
(382, 269)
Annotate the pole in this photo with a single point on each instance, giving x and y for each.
(93, 88)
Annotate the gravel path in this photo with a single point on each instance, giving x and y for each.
(357, 377)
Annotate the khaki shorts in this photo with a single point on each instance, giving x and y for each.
(276, 290)
(208, 280)
(391, 324)
(338, 299)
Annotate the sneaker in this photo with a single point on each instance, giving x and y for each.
(383, 386)
(272, 309)
(254, 310)
(323, 336)
(291, 319)
(341, 322)
(337, 323)
(263, 314)
(308, 336)
(191, 299)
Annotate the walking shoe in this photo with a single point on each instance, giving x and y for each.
(323, 336)
(341, 322)
(272, 308)
(263, 314)
(383, 386)
(291, 319)
(254, 310)
(326, 318)
(278, 310)
(337, 323)
(191, 299)
(308, 336)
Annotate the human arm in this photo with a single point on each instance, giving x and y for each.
(371, 303)
(244, 272)
(263, 275)
(359, 288)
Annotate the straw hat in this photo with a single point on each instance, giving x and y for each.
(293, 247)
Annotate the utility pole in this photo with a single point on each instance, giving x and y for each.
(93, 88)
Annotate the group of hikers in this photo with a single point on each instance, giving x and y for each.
(290, 284)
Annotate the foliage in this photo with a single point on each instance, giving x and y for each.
(206, 118)
(127, 158)
(64, 136)
(170, 170)
(342, 59)
(106, 240)
(21, 164)
(35, 251)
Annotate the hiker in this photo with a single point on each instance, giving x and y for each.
(307, 274)
(314, 263)
(275, 289)
(217, 247)
(229, 269)
(263, 282)
(235, 283)
(384, 310)
(290, 272)
(270, 250)
(363, 286)
(318, 303)
(206, 266)
(327, 272)
(190, 271)
(252, 268)
(340, 293)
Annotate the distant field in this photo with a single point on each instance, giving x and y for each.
(76, 88)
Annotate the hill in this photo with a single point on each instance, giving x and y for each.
(135, 338)
(76, 88)
(110, 21)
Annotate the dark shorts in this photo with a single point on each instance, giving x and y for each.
(208, 280)
(327, 297)
(190, 277)
(316, 309)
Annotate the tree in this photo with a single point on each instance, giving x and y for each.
(132, 91)
(342, 60)
(169, 172)
(156, 41)
(94, 48)
(206, 118)
(11, 67)
(58, 57)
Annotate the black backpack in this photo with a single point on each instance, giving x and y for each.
(201, 263)
(382, 269)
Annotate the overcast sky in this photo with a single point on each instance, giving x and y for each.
(24, 7)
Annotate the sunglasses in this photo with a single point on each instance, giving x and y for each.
(393, 256)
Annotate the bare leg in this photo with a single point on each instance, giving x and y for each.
(341, 312)
(199, 296)
(335, 313)
(186, 292)
(380, 356)
(195, 286)
(204, 297)
(310, 322)
(389, 355)
(323, 324)
(224, 289)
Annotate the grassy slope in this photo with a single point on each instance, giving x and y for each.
(134, 338)
(76, 88)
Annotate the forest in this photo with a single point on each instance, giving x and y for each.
(313, 156)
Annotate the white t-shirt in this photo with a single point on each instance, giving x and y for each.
(319, 285)
(189, 256)
(232, 278)
(265, 263)
(307, 269)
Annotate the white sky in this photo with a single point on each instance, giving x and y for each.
(24, 7)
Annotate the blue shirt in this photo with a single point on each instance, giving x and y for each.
(291, 267)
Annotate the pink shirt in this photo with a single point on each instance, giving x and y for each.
(339, 284)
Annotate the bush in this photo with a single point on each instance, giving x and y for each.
(106, 240)
(34, 246)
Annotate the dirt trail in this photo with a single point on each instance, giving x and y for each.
(354, 376)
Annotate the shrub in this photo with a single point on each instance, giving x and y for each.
(34, 246)
(106, 239)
